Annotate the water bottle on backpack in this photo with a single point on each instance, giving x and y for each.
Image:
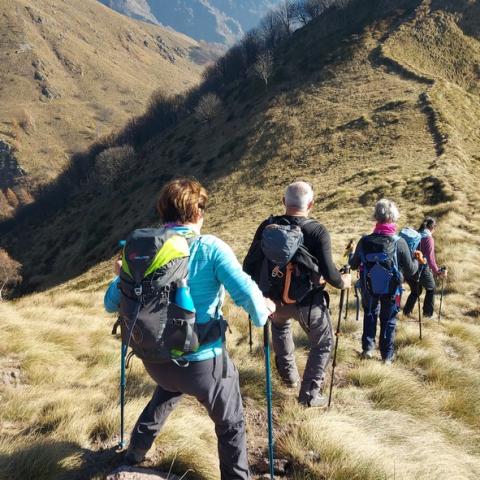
(183, 297)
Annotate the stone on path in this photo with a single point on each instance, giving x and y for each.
(137, 473)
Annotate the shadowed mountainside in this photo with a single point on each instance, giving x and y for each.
(338, 100)
(71, 72)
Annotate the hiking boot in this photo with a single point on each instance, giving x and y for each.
(288, 376)
(318, 401)
(367, 355)
(388, 361)
(290, 382)
(134, 456)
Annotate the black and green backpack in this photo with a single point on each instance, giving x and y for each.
(154, 266)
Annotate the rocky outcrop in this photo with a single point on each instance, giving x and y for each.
(10, 170)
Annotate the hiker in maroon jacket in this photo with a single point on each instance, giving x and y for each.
(426, 280)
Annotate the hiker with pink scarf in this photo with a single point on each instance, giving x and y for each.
(395, 264)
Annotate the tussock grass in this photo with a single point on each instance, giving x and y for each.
(374, 445)
(417, 419)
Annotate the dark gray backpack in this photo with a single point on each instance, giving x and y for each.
(289, 272)
(154, 265)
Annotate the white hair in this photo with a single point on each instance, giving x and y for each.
(299, 195)
(386, 211)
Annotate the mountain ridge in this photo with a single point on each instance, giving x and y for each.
(217, 21)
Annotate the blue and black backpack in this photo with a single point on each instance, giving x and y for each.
(380, 274)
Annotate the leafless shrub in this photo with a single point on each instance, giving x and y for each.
(263, 67)
(9, 272)
(208, 108)
(112, 165)
(26, 121)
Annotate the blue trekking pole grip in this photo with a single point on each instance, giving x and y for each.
(268, 381)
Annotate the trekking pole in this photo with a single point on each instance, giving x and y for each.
(419, 313)
(357, 302)
(268, 381)
(123, 376)
(420, 270)
(250, 334)
(346, 305)
(443, 269)
(123, 384)
(345, 269)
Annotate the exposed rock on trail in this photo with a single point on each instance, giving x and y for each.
(135, 473)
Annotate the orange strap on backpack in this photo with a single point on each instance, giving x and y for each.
(286, 286)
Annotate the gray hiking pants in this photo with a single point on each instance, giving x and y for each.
(220, 396)
(314, 318)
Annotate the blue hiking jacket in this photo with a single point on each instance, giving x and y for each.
(213, 267)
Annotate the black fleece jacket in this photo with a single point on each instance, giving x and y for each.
(315, 238)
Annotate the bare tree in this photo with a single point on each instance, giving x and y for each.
(286, 14)
(263, 67)
(272, 30)
(307, 10)
(208, 108)
(252, 44)
(9, 272)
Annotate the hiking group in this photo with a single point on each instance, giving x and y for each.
(171, 283)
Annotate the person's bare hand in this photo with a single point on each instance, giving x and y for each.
(347, 280)
(270, 306)
(419, 256)
(117, 266)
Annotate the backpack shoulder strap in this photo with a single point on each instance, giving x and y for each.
(396, 239)
(306, 222)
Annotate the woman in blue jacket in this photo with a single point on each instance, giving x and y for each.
(213, 268)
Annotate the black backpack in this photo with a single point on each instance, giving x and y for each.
(289, 272)
(154, 266)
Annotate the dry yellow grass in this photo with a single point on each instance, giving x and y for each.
(357, 130)
(99, 66)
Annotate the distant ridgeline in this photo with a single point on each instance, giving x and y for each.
(12, 182)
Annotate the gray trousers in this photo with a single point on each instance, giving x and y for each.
(220, 396)
(315, 320)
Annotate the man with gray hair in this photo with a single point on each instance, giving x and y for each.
(297, 289)
(299, 195)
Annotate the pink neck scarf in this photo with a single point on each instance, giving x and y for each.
(385, 228)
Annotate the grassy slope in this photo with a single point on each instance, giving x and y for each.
(103, 65)
(358, 129)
